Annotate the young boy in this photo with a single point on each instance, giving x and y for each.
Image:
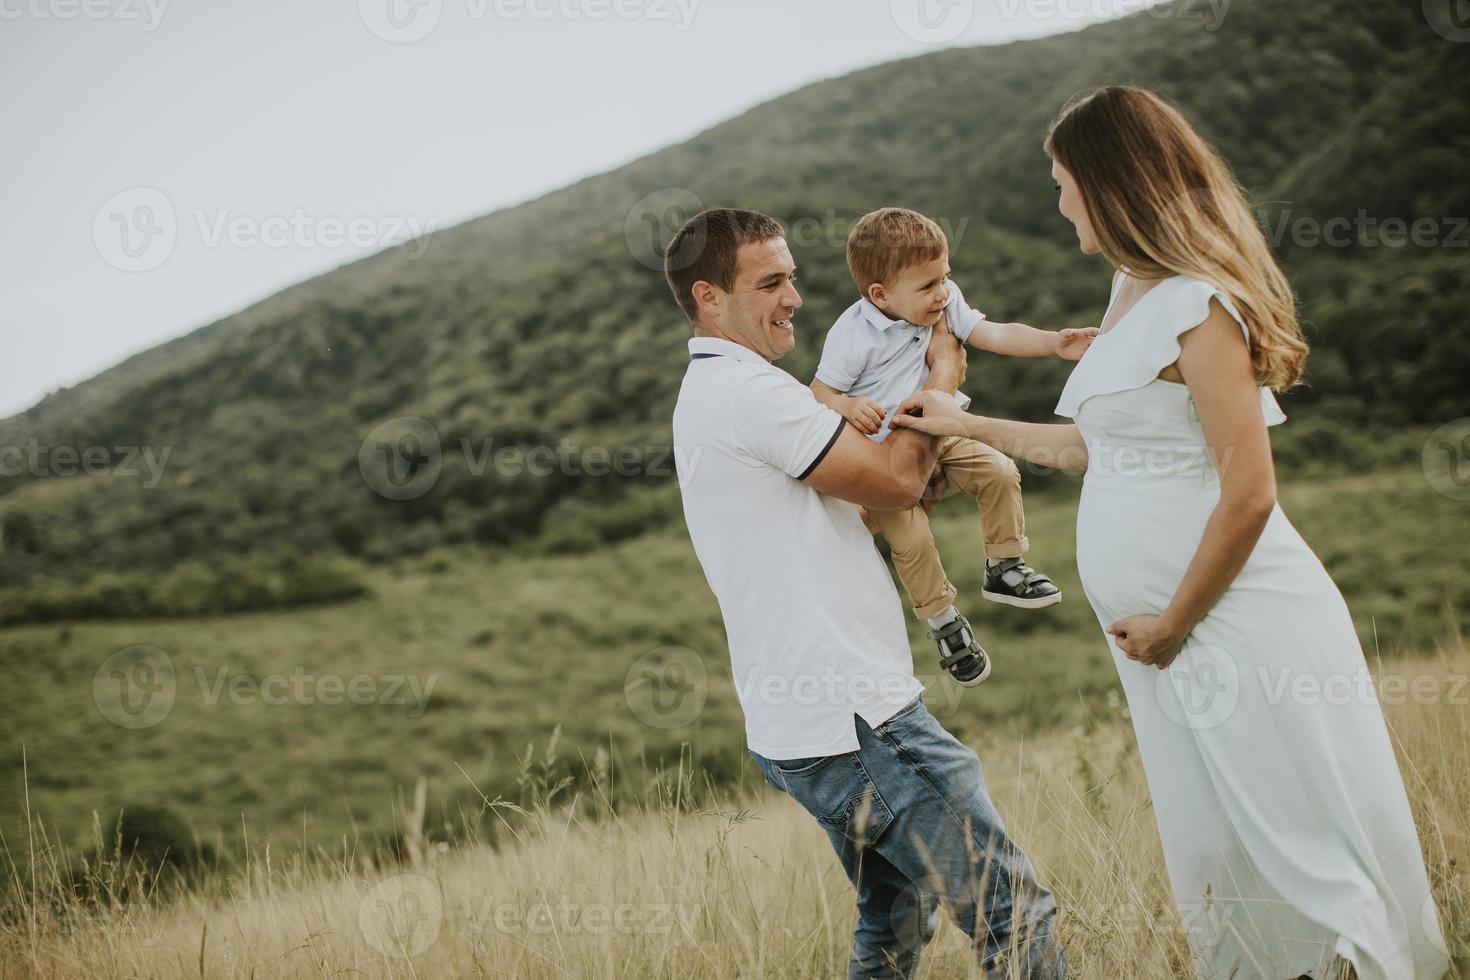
(874, 357)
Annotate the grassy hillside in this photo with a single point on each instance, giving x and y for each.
(545, 324)
(465, 661)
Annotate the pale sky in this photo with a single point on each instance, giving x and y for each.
(257, 135)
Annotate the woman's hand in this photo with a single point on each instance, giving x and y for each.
(932, 412)
(1148, 639)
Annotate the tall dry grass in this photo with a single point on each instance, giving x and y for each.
(695, 883)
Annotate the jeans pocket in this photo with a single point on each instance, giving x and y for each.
(838, 791)
(801, 767)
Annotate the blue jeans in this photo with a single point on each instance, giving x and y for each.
(914, 828)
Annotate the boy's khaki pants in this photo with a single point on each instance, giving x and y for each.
(993, 480)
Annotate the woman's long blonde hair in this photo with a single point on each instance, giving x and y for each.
(1162, 202)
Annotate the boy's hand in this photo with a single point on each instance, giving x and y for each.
(1072, 344)
(865, 414)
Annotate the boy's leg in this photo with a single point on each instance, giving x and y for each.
(992, 478)
(916, 558)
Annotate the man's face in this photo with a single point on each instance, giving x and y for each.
(757, 311)
(917, 293)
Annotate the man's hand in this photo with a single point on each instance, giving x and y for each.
(1072, 344)
(865, 414)
(945, 357)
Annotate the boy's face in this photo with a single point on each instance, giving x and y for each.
(916, 294)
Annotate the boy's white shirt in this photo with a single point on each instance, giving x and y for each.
(868, 354)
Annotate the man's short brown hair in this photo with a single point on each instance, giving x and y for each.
(885, 242)
(707, 249)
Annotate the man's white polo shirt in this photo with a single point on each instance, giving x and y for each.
(814, 623)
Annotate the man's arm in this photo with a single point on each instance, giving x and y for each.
(887, 475)
(892, 474)
(946, 359)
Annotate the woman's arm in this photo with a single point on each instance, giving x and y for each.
(1216, 365)
(1058, 445)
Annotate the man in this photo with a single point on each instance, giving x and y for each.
(834, 715)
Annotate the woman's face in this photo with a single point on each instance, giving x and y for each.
(1070, 203)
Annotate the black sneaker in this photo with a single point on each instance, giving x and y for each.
(1016, 583)
(959, 654)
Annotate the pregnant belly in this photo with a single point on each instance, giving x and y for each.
(1133, 550)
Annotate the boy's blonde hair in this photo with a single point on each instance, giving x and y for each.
(885, 242)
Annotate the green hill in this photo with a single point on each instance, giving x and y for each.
(546, 325)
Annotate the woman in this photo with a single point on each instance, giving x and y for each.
(1286, 829)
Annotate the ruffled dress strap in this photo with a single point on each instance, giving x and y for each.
(1146, 340)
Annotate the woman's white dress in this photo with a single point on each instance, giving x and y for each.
(1285, 825)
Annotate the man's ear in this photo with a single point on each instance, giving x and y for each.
(706, 297)
(877, 295)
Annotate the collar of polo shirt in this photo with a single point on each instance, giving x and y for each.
(719, 345)
(877, 317)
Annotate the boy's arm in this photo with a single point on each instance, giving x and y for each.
(865, 414)
(1019, 340)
